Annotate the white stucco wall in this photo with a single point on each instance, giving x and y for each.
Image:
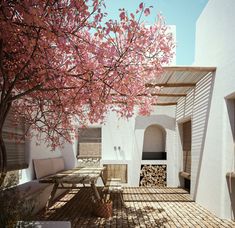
(215, 46)
(117, 137)
(122, 141)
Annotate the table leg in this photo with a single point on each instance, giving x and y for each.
(97, 195)
(51, 197)
(102, 178)
(122, 200)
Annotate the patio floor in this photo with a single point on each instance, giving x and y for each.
(145, 207)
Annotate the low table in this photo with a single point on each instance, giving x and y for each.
(79, 175)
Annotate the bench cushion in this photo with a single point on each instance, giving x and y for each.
(48, 166)
(43, 167)
(27, 189)
(185, 175)
(33, 192)
(58, 164)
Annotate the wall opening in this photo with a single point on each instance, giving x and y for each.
(186, 140)
(89, 143)
(154, 143)
(116, 171)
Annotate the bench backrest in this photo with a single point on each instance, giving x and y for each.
(48, 166)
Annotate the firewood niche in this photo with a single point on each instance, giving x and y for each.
(153, 175)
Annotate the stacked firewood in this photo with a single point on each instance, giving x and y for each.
(153, 175)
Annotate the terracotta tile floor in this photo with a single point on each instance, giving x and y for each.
(145, 207)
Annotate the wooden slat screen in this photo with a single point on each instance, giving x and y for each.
(89, 142)
(89, 149)
(187, 140)
(116, 171)
(13, 135)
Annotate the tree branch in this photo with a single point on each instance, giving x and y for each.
(23, 68)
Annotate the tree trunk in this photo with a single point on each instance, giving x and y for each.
(3, 159)
(4, 110)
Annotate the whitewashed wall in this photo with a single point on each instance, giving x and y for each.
(213, 149)
(122, 141)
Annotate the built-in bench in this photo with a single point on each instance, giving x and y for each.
(37, 192)
(114, 185)
(185, 180)
(45, 224)
(185, 175)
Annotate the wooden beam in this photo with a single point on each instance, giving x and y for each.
(190, 68)
(155, 104)
(155, 94)
(165, 104)
(169, 94)
(150, 85)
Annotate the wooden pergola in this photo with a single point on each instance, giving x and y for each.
(177, 82)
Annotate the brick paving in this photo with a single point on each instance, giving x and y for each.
(144, 207)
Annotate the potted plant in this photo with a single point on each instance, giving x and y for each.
(103, 207)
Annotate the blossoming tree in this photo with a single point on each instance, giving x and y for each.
(61, 59)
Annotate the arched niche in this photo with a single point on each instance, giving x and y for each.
(154, 143)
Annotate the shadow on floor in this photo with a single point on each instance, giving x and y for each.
(139, 210)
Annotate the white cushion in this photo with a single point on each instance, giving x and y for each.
(43, 167)
(58, 164)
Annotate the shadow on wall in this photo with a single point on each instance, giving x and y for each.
(69, 153)
(163, 120)
(230, 102)
(201, 109)
(230, 178)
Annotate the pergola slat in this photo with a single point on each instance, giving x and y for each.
(190, 68)
(165, 104)
(175, 82)
(157, 94)
(150, 85)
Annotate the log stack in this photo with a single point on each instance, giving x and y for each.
(153, 175)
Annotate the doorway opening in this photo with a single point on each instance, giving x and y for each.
(186, 140)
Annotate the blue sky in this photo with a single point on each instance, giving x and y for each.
(182, 13)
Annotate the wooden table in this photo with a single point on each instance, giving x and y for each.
(84, 175)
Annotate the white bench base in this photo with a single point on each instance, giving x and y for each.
(45, 224)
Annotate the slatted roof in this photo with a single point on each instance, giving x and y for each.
(177, 82)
